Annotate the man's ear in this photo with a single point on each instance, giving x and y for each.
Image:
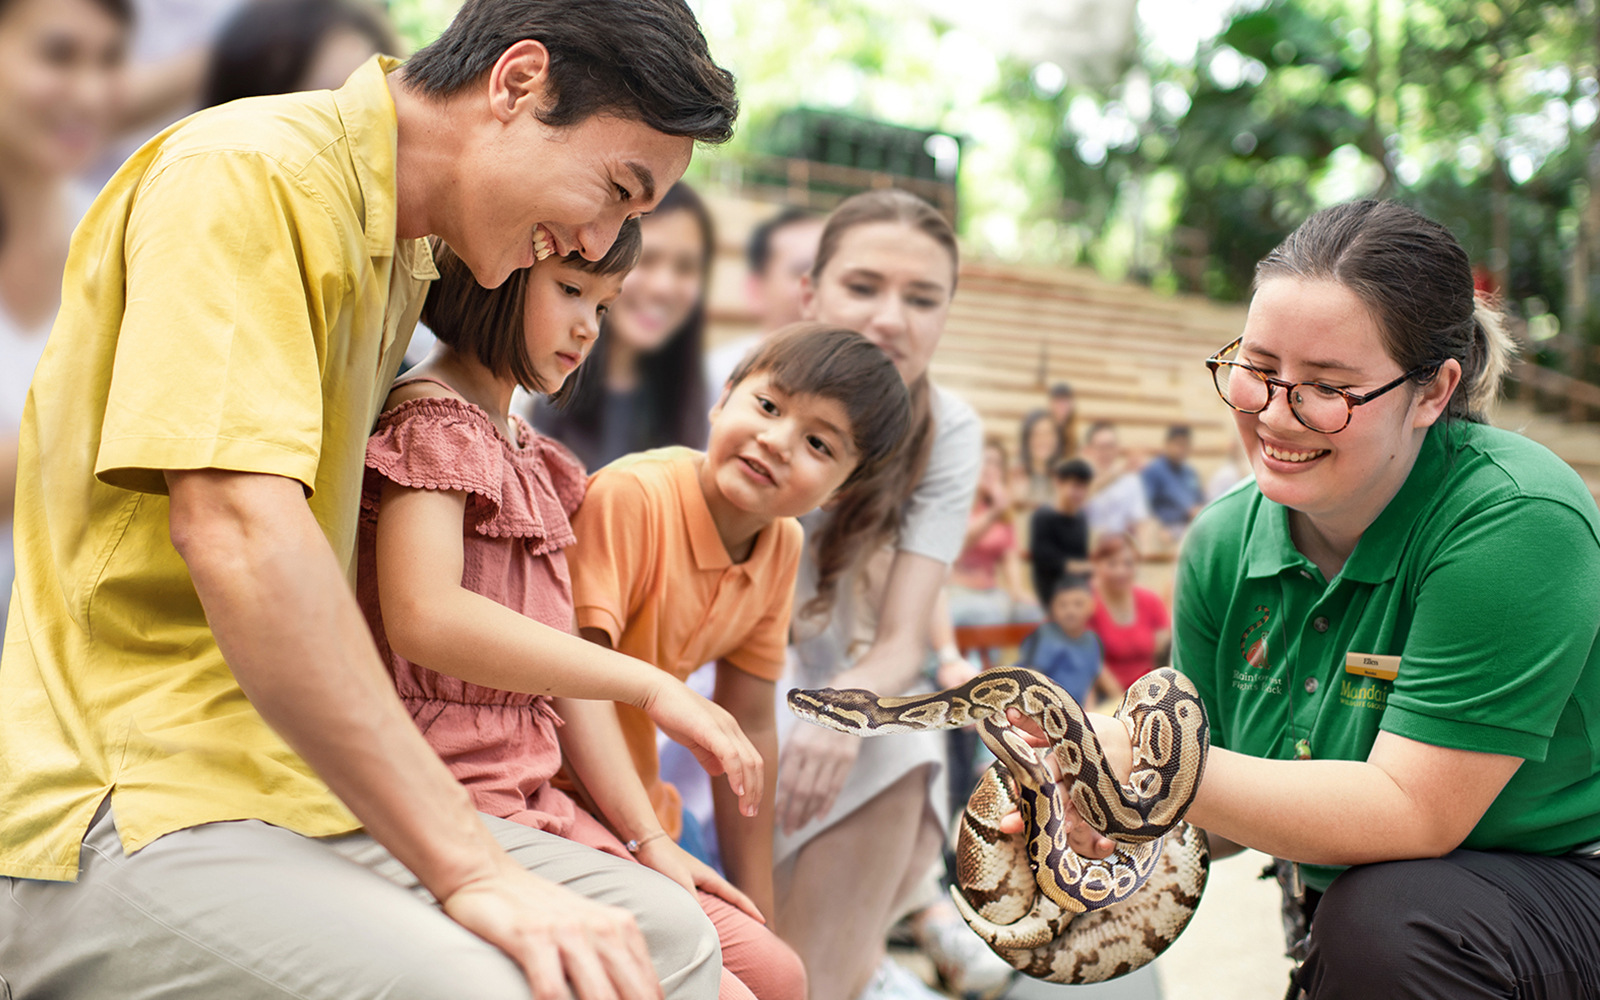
(519, 80)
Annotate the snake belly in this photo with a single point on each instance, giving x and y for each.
(1047, 911)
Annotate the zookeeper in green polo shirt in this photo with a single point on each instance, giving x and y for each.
(1393, 627)
(208, 786)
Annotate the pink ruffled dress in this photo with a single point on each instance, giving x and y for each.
(500, 744)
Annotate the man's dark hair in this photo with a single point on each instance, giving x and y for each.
(1073, 468)
(1179, 431)
(1061, 390)
(486, 323)
(758, 252)
(644, 60)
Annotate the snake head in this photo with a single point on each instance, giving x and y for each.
(841, 711)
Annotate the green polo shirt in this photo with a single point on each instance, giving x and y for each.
(1482, 576)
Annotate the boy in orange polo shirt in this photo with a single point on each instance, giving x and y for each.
(685, 558)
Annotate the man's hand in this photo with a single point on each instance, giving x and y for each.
(557, 937)
(712, 735)
(811, 773)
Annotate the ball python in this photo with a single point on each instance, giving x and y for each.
(1040, 906)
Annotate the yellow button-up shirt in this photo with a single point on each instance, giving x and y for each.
(235, 299)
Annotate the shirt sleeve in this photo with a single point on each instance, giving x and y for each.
(762, 654)
(231, 290)
(1504, 624)
(614, 553)
(935, 517)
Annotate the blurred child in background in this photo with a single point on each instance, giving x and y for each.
(1058, 535)
(1063, 648)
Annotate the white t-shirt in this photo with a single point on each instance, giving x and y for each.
(1119, 507)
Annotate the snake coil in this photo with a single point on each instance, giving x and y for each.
(1047, 911)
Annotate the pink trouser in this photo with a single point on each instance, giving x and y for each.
(756, 963)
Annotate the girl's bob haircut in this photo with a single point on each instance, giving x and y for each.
(831, 362)
(486, 323)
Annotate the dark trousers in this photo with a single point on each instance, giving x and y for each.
(1465, 926)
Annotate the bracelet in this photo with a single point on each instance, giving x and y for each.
(633, 846)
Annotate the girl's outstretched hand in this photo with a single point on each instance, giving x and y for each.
(693, 874)
(711, 734)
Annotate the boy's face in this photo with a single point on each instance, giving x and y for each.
(1070, 495)
(1070, 609)
(778, 454)
(561, 317)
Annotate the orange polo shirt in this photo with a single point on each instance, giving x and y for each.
(650, 570)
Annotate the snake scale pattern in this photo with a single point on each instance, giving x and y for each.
(1047, 911)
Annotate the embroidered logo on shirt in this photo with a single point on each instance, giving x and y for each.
(1255, 653)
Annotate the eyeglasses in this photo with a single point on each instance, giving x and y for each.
(1322, 408)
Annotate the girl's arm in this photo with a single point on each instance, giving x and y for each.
(747, 840)
(593, 745)
(816, 761)
(430, 619)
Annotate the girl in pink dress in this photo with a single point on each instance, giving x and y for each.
(463, 579)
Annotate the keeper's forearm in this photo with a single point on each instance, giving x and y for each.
(595, 749)
(1328, 812)
(283, 615)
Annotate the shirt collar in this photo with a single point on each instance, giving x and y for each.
(709, 552)
(1270, 550)
(367, 110)
(1377, 555)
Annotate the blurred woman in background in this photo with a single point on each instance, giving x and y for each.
(284, 46)
(61, 63)
(644, 387)
(1043, 445)
(1133, 623)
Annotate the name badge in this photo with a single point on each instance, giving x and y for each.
(1384, 668)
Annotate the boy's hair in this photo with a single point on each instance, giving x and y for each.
(1071, 581)
(1061, 390)
(486, 323)
(1073, 468)
(815, 359)
(643, 60)
(842, 365)
(1179, 431)
(758, 252)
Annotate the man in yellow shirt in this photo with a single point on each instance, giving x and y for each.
(194, 724)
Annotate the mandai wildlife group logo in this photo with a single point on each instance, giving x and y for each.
(1255, 653)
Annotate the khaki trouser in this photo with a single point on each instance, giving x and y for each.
(245, 910)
